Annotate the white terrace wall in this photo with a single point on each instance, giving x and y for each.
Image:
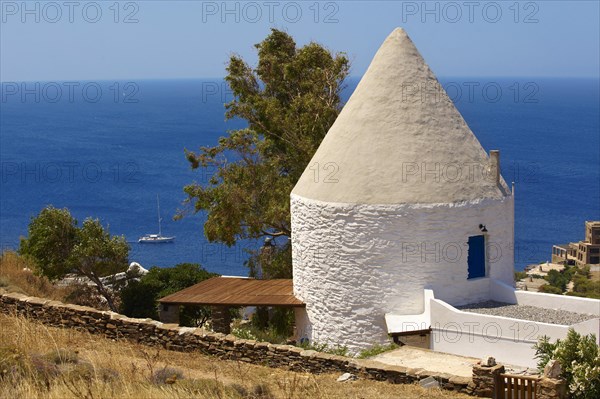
(509, 340)
(478, 335)
(470, 334)
(355, 263)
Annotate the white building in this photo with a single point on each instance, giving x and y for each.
(399, 197)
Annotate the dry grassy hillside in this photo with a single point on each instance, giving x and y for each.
(42, 362)
(16, 276)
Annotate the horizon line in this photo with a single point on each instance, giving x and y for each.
(440, 77)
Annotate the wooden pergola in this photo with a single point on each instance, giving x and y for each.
(221, 293)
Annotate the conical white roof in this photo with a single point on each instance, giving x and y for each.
(399, 139)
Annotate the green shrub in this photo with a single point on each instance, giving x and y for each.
(269, 334)
(339, 350)
(377, 350)
(558, 280)
(281, 320)
(520, 276)
(139, 298)
(274, 325)
(243, 333)
(580, 360)
(549, 289)
(584, 286)
(587, 294)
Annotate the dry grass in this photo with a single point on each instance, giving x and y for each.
(16, 276)
(41, 362)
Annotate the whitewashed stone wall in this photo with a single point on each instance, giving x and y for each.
(508, 340)
(354, 263)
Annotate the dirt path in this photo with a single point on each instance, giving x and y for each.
(429, 360)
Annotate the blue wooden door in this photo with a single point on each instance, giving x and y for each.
(476, 257)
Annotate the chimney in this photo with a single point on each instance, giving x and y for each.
(495, 165)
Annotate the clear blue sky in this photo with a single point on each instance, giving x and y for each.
(193, 39)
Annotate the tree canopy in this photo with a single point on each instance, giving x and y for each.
(58, 247)
(52, 236)
(139, 298)
(289, 101)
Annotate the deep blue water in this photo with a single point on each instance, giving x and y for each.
(109, 158)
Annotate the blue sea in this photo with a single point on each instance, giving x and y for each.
(106, 149)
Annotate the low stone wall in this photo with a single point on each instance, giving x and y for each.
(185, 339)
(150, 332)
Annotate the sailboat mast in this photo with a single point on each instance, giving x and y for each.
(158, 212)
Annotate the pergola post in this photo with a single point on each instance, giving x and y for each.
(222, 293)
(168, 313)
(221, 319)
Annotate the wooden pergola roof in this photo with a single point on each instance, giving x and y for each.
(237, 291)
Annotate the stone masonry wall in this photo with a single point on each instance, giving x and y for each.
(185, 339)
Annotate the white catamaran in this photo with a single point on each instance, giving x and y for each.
(156, 238)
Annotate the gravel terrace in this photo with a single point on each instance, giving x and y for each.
(525, 312)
